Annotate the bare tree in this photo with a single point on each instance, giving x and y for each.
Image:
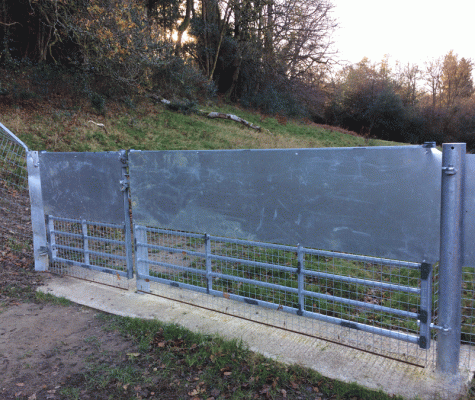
(433, 74)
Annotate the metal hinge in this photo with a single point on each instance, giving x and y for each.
(449, 170)
(123, 157)
(43, 250)
(124, 185)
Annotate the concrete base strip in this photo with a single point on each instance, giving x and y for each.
(330, 359)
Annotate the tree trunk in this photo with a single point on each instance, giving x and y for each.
(225, 22)
(184, 26)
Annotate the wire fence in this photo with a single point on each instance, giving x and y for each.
(363, 302)
(88, 250)
(15, 220)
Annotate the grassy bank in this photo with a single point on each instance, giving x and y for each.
(152, 126)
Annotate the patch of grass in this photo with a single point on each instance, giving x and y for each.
(193, 365)
(70, 393)
(52, 299)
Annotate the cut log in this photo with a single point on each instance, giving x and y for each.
(233, 118)
(213, 114)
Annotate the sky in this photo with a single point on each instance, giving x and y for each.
(410, 31)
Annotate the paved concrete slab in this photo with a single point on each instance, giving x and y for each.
(330, 359)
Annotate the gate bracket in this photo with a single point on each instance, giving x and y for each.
(449, 170)
(423, 342)
(425, 270)
(423, 316)
(124, 185)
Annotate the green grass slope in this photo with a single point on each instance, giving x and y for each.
(151, 126)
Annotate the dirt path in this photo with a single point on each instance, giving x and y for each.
(43, 347)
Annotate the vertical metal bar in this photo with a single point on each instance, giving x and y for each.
(37, 212)
(85, 242)
(451, 257)
(141, 259)
(300, 279)
(209, 278)
(128, 228)
(425, 312)
(52, 239)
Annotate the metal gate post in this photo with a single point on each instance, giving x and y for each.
(451, 257)
(128, 230)
(37, 212)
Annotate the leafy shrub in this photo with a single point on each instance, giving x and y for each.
(179, 79)
(386, 116)
(98, 103)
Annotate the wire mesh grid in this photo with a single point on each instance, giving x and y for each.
(468, 317)
(15, 220)
(267, 275)
(88, 250)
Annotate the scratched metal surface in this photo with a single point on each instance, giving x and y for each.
(82, 186)
(469, 223)
(382, 201)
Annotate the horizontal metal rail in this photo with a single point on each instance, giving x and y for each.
(169, 232)
(171, 249)
(13, 137)
(94, 253)
(89, 266)
(275, 267)
(78, 221)
(355, 257)
(356, 303)
(273, 286)
(365, 282)
(93, 238)
(325, 318)
(293, 270)
(321, 317)
(174, 266)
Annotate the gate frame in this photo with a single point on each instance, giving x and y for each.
(38, 225)
(451, 244)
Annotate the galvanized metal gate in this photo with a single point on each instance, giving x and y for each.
(86, 206)
(246, 227)
(203, 221)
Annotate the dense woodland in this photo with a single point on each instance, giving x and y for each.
(274, 56)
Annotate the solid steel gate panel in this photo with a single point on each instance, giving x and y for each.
(83, 185)
(382, 202)
(86, 204)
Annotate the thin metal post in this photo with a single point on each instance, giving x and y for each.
(141, 259)
(52, 250)
(209, 278)
(451, 257)
(85, 242)
(37, 212)
(300, 279)
(128, 228)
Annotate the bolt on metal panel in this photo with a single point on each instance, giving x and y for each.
(382, 201)
(83, 185)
